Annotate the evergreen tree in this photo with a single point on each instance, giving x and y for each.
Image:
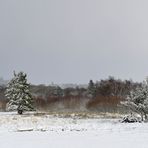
(92, 89)
(137, 100)
(18, 94)
(58, 92)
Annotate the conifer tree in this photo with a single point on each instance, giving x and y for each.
(91, 89)
(137, 100)
(18, 94)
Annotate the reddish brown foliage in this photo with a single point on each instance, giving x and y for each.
(39, 102)
(104, 102)
(3, 104)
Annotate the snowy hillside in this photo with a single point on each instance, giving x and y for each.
(56, 132)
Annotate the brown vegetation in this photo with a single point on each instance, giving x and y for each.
(104, 103)
(3, 104)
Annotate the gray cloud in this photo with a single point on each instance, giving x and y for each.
(74, 40)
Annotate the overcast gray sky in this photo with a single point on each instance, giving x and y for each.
(65, 41)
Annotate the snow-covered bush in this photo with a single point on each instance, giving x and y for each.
(137, 100)
(18, 94)
(130, 119)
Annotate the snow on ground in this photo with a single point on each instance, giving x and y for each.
(48, 131)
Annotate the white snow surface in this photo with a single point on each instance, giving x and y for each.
(48, 131)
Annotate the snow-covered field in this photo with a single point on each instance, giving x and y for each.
(48, 131)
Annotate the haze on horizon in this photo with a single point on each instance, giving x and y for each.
(73, 41)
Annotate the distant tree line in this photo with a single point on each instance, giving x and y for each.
(103, 95)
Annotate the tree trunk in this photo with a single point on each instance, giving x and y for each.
(141, 116)
(19, 111)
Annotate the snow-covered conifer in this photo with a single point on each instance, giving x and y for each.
(137, 100)
(18, 94)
